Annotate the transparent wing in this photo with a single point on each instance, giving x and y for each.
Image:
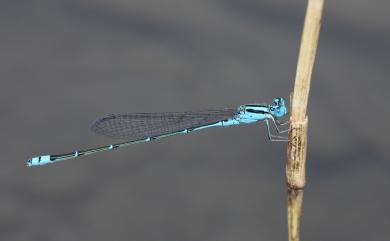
(135, 126)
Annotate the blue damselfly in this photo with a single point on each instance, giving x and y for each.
(145, 127)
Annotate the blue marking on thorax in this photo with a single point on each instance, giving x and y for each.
(253, 113)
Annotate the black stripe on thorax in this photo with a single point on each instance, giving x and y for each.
(257, 111)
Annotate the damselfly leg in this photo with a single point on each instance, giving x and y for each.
(282, 123)
(272, 137)
(277, 124)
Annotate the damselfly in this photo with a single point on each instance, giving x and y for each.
(145, 127)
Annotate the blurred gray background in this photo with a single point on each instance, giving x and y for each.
(66, 62)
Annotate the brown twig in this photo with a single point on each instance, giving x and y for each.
(297, 145)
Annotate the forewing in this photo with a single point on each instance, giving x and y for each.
(136, 126)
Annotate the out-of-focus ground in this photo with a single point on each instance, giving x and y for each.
(65, 62)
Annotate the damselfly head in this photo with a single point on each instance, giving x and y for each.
(279, 108)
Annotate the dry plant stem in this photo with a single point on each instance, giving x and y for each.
(306, 58)
(296, 155)
(297, 145)
(295, 172)
(294, 200)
